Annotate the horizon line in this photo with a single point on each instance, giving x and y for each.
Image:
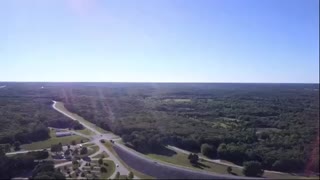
(160, 82)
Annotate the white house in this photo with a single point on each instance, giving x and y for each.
(62, 134)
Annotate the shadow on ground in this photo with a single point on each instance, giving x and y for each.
(235, 174)
(200, 165)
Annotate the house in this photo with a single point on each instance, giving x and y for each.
(62, 134)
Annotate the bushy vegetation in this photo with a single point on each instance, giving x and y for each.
(26, 114)
(19, 164)
(208, 150)
(252, 168)
(273, 124)
(45, 170)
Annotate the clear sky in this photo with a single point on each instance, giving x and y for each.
(160, 40)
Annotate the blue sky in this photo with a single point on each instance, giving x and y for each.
(160, 40)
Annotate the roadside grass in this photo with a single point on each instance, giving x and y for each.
(108, 145)
(123, 177)
(103, 154)
(92, 150)
(181, 159)
(110, 168)
(88, 145)
(60, 106)
(53, 140)
(85, 132)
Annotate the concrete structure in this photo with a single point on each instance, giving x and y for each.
(62, 134)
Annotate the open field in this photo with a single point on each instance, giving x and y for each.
(110, 169)
(85, 132)
(103, 154)
(92, 150)
(53, 140)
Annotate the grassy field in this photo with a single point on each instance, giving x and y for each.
(93, 149)
(110, 168)
(60, 106)
(53, 140)
(88, 144)
(85, 132)
(182, 160)
(136, 173)
(123, 177)
(103, 154)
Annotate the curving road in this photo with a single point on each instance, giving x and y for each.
(163, 170)
(70, 115)
(96, 140)
(140, 162)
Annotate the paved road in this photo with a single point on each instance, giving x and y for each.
(140, 162)
(96, 140)
(164, 170)
(22, 152)
(71, 116)
(122, 169)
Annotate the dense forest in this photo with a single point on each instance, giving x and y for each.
(23, 164)
(274, 124)
(26, 114)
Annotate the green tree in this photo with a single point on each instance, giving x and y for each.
(130, 175)
(100, 161)
(193, 158)
(222, 150)
(67, 152)
(229, 169)
(73, 142)
(84, 150)
(103, 170)
(208, 150)
(252, 169)
(46, 166)
(76, 151)
(56, 147)
(17, 145)
(117, 175)
(75, 162)
(6, 148)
